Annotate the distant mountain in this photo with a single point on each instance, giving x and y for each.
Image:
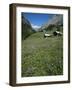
(26, 28)
(54, 21)
(35, 27)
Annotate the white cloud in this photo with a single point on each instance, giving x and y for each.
(35, 26)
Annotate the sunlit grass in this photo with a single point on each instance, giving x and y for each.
(42, 57)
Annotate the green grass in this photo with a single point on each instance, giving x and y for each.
(42, 57)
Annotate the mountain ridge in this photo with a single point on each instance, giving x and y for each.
(56, 20)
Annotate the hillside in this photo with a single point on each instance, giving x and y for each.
(55, 22)
(27, 29)
(42, 57)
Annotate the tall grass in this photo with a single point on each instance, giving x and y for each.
(42, 57)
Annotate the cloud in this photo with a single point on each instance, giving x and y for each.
(35, 26)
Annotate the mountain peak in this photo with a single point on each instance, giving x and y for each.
(55, 20)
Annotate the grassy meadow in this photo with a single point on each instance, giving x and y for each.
(42, 56)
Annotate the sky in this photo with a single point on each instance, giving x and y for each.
(37, 19)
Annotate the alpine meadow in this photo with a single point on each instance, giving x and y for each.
(41, 44)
